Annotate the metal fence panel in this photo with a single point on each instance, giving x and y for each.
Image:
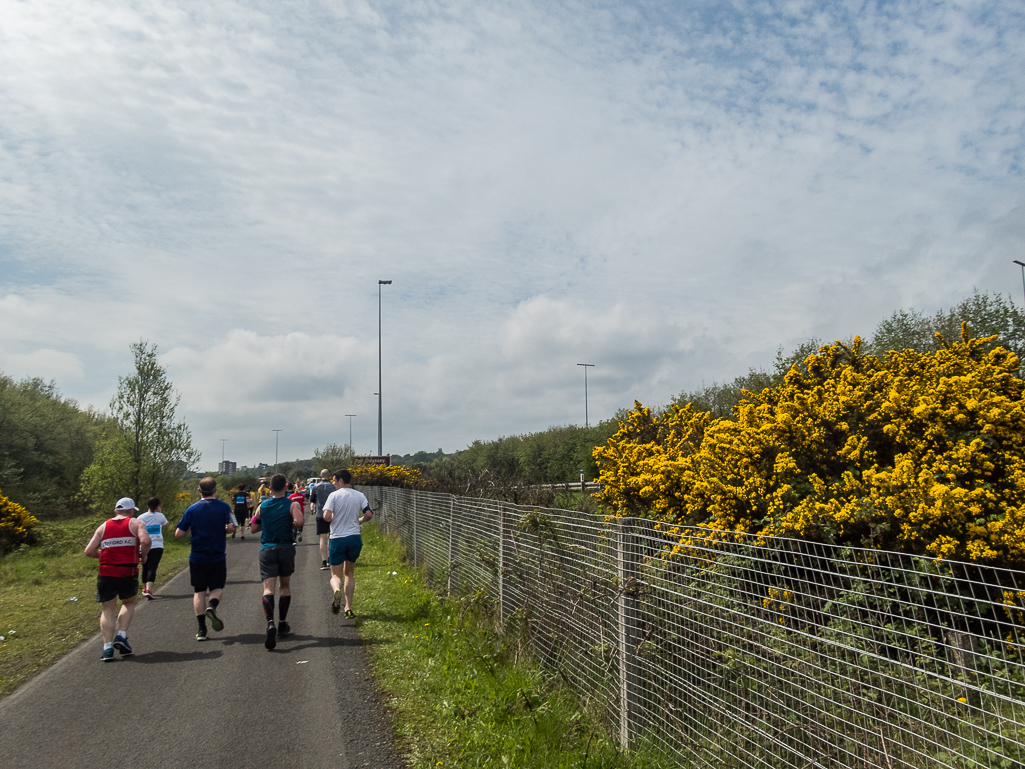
(743, 652)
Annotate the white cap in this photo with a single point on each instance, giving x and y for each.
(125, 503)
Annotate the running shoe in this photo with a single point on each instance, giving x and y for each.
(107, 655)
(324, 566)
(215, 621)
(272, 636)
(349, 613)
(336, 602)
(284, 629)
(122, 645)
(243, 536)
(300, 536)
(148, 594)
(201, 635)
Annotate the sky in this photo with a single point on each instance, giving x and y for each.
(668, 191)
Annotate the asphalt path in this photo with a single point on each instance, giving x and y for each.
(226, 702)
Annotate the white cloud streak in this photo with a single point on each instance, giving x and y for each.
(669, 191)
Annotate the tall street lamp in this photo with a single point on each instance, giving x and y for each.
(380, 399)
(350, 416)
(1022, 265)
(275, 448)
(586, 366)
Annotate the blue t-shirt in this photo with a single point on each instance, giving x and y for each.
(207, 519)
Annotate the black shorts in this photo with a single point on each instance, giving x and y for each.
(149, 569)
(208, 576)
(323, 527)
(277, 562)
(109, 588)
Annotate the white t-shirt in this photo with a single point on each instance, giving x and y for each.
(345, 505)
(154, 523)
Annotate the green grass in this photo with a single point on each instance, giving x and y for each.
(38, 619)
(455, 693)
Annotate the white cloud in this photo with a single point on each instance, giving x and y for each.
(671, 190)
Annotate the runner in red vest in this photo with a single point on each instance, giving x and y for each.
(121, 544)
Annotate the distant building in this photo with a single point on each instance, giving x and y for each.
(227, 467)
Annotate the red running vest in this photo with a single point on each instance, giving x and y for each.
(119, 549)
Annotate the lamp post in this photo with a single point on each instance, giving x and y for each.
(1022, 265)
(586, 366)
(380, 399)
(275, 448)
(350, 416)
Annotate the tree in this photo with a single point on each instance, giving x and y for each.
(332, 457)
(145, 451)
(46, 441)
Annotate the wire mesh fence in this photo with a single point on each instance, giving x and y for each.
(743, 652)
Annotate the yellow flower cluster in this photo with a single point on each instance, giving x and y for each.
(16, 524)
(388, 475)
(918, 452)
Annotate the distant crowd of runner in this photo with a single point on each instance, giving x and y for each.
(277, 512)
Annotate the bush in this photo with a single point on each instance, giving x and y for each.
(16, 525)
(919, 452)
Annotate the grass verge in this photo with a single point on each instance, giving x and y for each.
(48, 596)
(456, 696)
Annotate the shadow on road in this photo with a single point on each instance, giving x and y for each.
(156, 658)
(289, 642)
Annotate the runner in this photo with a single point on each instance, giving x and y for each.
(154, 521)
(318, 498)
(346, 509)
(277, 518)
(120, 544)
(210, 522)
(297, 496)
(240, 507)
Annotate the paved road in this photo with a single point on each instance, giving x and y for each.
(227, 702)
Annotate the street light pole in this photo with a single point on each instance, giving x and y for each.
(1022, 265)
(275, 448)
(380, 399)
(586, 366)
(350, 416)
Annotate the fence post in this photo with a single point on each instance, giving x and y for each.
(451, 539)
(626, 572)
(501, 564)
(414, 528)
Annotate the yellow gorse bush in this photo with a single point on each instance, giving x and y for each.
(387, 475)
(917, 452)
(16, 524)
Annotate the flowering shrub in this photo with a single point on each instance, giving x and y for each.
(16, 524)
(389, 475)
(917, 452)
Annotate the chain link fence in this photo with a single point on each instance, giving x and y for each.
(742, 652)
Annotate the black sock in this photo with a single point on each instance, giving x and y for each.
(214, 602)
(283, 604)
(268, 607)
(201, 619)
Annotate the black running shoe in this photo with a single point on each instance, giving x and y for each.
(284, 629)
(336, 602)
(350, 614)
(215, 621)
(121, 644)
(272, 636)
(201, 635)
(324, 566)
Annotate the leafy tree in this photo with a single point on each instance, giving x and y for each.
(145, 451)
(332, 457)
(46, 442)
